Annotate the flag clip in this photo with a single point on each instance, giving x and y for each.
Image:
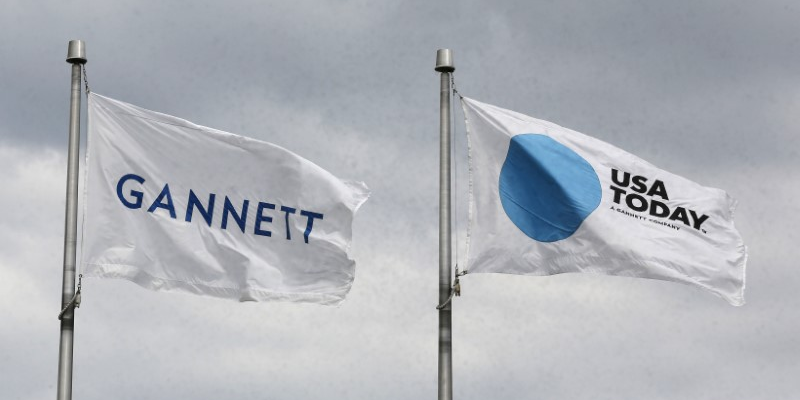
(75, 302)
(457, 283)
(454, 291)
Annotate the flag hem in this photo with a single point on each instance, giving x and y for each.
(737, 300)
(151, 282)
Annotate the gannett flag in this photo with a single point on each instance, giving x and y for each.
(548, 200)
(171, 205)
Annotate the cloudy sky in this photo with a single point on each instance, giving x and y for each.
(707, 90)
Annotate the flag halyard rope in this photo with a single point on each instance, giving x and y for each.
(85, 80)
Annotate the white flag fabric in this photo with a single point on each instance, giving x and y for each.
(548, 200)
(175, 206)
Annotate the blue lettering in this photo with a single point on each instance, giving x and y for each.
(288, 210)
(310, 224)
(241, 220)
(207, 214)
(135, 193)
(134, 199)
(158, 203)
(261, 217)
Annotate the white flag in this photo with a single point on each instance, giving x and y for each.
(548, 200)
(171, 205)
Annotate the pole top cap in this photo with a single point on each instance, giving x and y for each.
(76, 54)
(444, 61)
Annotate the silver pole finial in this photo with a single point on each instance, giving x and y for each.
(444, 61)
(76, 54)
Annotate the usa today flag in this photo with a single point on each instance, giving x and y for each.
(548, 200)
(175, 206)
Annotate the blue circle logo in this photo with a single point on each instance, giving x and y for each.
(547, 189)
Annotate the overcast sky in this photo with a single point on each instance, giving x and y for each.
(706, 90)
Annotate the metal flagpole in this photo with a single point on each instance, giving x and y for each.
(76, 55)
(444, 64)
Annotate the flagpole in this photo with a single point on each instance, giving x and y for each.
(444, 64)
(76, 55)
